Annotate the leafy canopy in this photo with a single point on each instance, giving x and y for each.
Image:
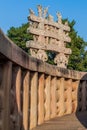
(19, 35)
(78, 58)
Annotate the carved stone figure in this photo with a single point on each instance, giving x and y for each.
(61, 60)
(39, 7)
(59, 16)
(50, 18)
(31, 12)
(33, 52)
(45, 12)
(41, 54)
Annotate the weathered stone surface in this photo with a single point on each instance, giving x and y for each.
(49, 35)
(49, 47)
(47, 97)
(19, 57)
(48, 22)
(26, 85)
(41, 99)
(33, 91)
(69, 122)
(33, 100)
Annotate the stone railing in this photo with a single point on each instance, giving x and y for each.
(32, 92)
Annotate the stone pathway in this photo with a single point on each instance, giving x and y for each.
(76, 121)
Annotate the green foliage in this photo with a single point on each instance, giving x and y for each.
(78, 58)
(19, 35)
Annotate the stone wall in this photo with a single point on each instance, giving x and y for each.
(32, 91)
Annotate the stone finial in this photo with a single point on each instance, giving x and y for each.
(45, 12)
(31, 12)
(39, 7)
(59, 16)
(50, 17)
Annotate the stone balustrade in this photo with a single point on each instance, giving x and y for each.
(32, 91)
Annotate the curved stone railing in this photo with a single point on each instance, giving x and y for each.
(32, 92)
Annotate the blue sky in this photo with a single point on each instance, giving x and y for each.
(15, 12)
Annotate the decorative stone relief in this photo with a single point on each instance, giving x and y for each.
(59, 16)
(45, 12)
(33, 52)
(50, 36)
(31, 12)
(39, 54)
(61, 60)
(50, 18)
(39, 7)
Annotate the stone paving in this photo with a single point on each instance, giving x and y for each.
(76, 121)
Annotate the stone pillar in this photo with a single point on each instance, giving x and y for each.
(26, 84)
(53, 97)
(61, 98)
(75, 85)
(83, 95)
(47, 97)
(41, 99)
(18, 96)
(33, 99)
(68, 96)
(6, 85)
(58, 96)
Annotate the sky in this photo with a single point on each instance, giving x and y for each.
(15, 12)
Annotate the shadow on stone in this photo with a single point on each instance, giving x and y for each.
(81, 112)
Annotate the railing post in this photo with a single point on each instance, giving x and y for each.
(33, 100)
(68, 96)
(26, 84)
(75, 85)
(83, 96)
(41, 99)
(47, 97)
(53, 97)
(61, 98)
(6, 85)
(18, 96)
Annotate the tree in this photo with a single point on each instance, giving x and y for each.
(78, 58)
(19, 35)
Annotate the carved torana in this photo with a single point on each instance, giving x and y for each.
(48, 35)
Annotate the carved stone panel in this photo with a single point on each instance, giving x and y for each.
(50, 36)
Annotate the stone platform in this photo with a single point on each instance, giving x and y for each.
(76, 121)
